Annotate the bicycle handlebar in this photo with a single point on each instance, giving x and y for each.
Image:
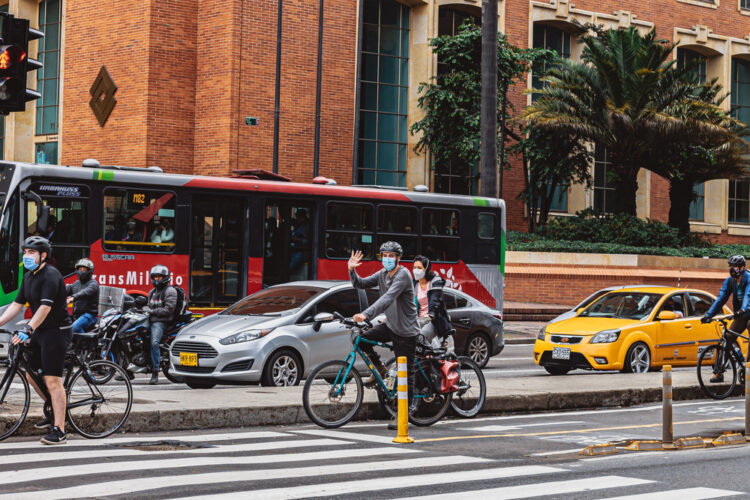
(350, 322)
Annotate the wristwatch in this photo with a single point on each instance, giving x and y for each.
(28, 328)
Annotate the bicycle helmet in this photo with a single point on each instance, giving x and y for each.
(38, 243)
(392, 246)
(736, 261)
(159, 270)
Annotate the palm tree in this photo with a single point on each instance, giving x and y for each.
(617, 97)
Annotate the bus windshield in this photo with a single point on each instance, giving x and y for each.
(9, 249)
(623, 305)
(273, 301)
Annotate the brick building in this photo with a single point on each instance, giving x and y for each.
(306, 88)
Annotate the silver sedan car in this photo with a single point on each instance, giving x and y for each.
(272, 337)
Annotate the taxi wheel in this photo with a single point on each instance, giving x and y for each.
(638, 359)
(557, 370)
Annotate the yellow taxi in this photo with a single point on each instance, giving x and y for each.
(631, 329)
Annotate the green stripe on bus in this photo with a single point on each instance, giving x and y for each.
(480, 202)
(7, 298)
(104, 175)
(502, 252)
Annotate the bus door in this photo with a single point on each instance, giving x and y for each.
(288, 242)
(217, 268)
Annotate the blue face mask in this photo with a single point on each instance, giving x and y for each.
(389, 263)
(29, 262)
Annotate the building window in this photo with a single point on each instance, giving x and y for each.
(739, 201)
(559, 201)
(741, 90)
(46, 153)
(449, 20)
(383, 125)
(603, 191)
(745, 4)
(696, 206)
(551, 38)
(48, 77)
(687, 57)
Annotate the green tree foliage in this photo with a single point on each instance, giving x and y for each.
(451, 101)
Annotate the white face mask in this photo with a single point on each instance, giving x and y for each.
(418, 274)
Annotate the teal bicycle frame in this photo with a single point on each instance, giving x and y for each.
(351, 358)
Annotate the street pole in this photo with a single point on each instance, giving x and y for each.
(488, 108)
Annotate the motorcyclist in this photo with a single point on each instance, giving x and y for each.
(84, 294)
(735, 285)
(162, 301)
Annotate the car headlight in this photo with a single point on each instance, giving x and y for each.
(605, 337)
(542, 332)
(247, 336)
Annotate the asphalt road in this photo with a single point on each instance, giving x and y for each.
(516, 456)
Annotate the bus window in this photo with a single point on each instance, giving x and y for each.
(137, 220)
(440, 240)
(9, 249)
(67, 226)
(486, 226)
(288, 243)
(398, 224)
(349, 228)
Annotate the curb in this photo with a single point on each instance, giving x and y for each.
(512, 341)
(233, 417)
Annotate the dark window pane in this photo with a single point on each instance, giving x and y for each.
(486, 226)
(387, 127)
(387, 156)
(370, 14)
(349, 216)
(389, 69)
(370, 35)
(440, 249)
(442, 222)
(385, 178)
(370, 67)
(701, 303)
(388, 98)
(390, 41)
(369, 97)
(397, 219)
(139, 220)
(367, 154)
(341, 245)
(390, 13)
(368, 125)
(345, 302)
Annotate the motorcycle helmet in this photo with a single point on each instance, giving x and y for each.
(84, 276)
(159, 270)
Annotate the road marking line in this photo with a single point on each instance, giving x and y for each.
(524, 358)
(188, 438)
(495, 370)
(539, 489)
(43, 473)
(37, 455)
(347, 435)
(129, 486)
(683, 494)
(379, 484)
(501, 428)
(558, 452)
(576, 431)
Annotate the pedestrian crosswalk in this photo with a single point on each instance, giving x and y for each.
(288, 464)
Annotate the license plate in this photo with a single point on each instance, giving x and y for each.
(189, 359)
(561, 353)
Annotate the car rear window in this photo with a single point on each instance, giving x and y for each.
(273, 301)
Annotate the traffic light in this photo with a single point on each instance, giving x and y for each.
(15, 63)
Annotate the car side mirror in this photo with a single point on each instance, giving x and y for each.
(321, 318)
(667, 315)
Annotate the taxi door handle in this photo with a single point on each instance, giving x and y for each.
(688, 327)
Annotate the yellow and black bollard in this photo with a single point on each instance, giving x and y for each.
(747, 401)
(403, 403)
(667, 439)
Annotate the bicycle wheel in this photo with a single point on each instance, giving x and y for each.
(389, 402)
(15, 403)
(427, 406)
(472, 389)
(329, 399)
(101, 374)
(707, 368)
(97, 409)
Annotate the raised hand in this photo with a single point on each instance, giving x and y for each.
(355, 260)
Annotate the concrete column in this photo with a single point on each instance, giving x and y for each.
(422, 67)
(643, 195)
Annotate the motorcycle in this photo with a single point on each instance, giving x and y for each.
(122, 336)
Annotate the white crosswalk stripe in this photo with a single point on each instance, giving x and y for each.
(294, 463)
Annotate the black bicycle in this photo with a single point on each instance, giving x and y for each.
(97, 405)
(723, 359)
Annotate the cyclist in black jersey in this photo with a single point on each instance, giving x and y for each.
(49, 329)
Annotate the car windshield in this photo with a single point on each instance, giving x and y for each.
(625, 305)
(273, 301)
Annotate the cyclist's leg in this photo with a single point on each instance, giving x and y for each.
(34, 356)
(404, 346)
(378, 333)
(54, 346)
(738, 326)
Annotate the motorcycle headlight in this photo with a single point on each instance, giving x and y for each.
(542, 332)
(605, 337)
(247, 336)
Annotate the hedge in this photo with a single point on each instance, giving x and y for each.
(525, 242)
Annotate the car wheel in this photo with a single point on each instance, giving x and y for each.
(282, 369)
(557, 370)
(478, 349)
(638, 359)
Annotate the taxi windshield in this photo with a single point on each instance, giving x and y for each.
(273, 301)
(623, 305)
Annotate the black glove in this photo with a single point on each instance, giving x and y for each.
(739, 313)
(706, 319)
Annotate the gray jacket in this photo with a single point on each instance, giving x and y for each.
(85, 297)
(162, 304)
(396, 300)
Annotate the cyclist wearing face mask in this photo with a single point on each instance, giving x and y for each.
(84, 294)
(735, 285)
(396, 301)
(48, 329)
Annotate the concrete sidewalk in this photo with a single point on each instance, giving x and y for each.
(521, 332)
(161, 409)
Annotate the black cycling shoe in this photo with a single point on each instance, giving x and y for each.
(43, 424)
(55, 436)
(717, 378)
(393, 424)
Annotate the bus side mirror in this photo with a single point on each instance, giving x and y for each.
(42, 211)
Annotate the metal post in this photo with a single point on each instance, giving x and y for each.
(403, 403)
(747, 401)
(667, 435)
(488, 104)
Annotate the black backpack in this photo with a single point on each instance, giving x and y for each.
(179, 308)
